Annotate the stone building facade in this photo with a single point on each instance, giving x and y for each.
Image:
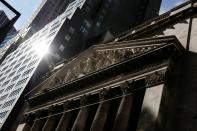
(145, 79)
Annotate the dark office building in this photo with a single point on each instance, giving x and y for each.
(145, 79)
(98, 21)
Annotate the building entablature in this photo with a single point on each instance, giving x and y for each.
(115, 91)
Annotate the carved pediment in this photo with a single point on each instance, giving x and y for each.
(97, 58)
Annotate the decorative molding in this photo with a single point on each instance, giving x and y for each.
(95, 61)
(156, 77)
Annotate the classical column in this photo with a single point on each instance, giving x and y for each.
(82, 116)
(25, 124)
(101, 114)
(23, 127)
(65, 119)
(51, 122)
(38, 123)
(123, 114)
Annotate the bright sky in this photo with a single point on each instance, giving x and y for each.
(27, 7)
(169, 4)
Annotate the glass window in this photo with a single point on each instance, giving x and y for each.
(21, 81)
(8, 71)
(11, 74)
(67, 37)
(33, 62)
(22, 58)
(15, 78)
(16, 66)
(15, 92)
(9, 87)
(28, 71)
(6, 83)
(27, 60)
(4, 68)
(21, 69)
(12, 63)
(3, 97)
(2, 79)
(71, 30)
(1, 91)
(3, 114)
(8, 103)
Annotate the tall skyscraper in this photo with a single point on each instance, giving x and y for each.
(19, 66)
(47, 11)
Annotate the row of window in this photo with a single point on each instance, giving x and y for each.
(3, 114)
(8, 103)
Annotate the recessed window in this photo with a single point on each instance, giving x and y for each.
(9, 87)
(1, 91)
(15, 78)
(8, 71)
(21, 82)
(22, 58)
(8, 103)
(15, 92)
(2, 79)
(3, 97)
(33, 62)
(12, 63)
(11, 74)
(67, 37)
(28, 71)
(71, 30)
(16, 66)
(6, 83)
(21, 69)
(27, 60)
(4, 68)
(3, 114)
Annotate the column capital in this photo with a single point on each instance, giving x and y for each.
(67, 104)
(26, 118)
(83, 100)
(126, 87)
(51, 109)
(38, 113)
(104, 93)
